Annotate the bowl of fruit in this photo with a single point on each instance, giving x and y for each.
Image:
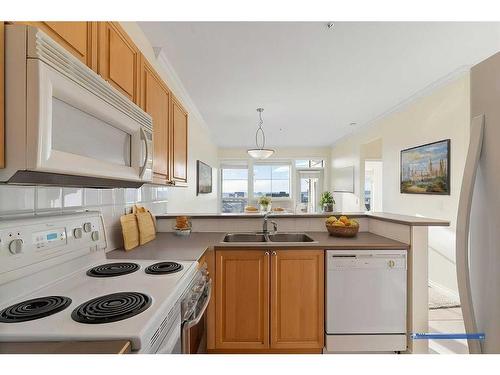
(182, 226)
(342, 227)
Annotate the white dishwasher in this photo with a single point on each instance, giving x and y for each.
(366, 300)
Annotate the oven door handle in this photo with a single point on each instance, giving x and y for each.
(192, 322)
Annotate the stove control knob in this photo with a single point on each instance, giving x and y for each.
(77, 233)
(95, 235)
(87, 227)
(16, 246)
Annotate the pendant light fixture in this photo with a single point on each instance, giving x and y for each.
(260, 152)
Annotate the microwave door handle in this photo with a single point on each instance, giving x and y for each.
(146, 154)
(191, 323)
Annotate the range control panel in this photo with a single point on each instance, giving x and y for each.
(49, 239)
(26, 241)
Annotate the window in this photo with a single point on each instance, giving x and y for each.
(310, 189)
(302, 163)
(309, 164)
(271, 180)
(234, 189)
(316, 163)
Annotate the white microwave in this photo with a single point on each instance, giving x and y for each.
(65, 125)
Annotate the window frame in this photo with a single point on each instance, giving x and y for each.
(309, 163)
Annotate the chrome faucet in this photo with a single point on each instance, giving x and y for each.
(264, 224)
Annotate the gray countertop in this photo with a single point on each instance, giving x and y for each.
(168, 246)
(383, 216)
(363, 241)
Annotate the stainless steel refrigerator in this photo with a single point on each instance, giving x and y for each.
(478, 222)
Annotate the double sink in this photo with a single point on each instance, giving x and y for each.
(268, 237)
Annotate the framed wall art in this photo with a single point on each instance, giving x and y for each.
(203, 178)
(425, 169)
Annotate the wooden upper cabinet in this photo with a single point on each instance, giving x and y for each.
(179, 142)
(156, 102)
(242, 302)
(107, 49)
(119, 60)
(297, 299)
(79, 38)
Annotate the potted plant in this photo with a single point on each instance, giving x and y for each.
(326, 201)
(265, 203)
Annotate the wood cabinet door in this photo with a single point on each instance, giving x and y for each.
(242, 299)
(156, 102)
(119, 60)
(297, 299)
(179, 142)
(79, 38)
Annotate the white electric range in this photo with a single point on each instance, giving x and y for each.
(57, 285)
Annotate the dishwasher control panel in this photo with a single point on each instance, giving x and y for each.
(372, 261)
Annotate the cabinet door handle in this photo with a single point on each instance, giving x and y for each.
(266, 253)
(274, 252)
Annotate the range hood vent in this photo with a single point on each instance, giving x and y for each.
(66, 180)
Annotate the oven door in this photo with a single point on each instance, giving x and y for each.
(72, 130)
(172, 343)
(194, 330)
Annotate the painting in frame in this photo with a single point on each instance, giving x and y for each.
(425, 169)
(203, 178)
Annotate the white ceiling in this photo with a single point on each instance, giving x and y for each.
(312, 81)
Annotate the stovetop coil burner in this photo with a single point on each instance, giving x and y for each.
(35, 308)
(111, 308)
(163, 268)
(113, 269)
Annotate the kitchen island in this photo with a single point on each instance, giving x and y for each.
(249, 287)
(377, 231)
(256, 263)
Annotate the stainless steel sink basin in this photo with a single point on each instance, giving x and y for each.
(261, 237)
(290, 237)
(245, 237)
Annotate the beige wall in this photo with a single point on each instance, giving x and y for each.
(200, 147)
(440, 114)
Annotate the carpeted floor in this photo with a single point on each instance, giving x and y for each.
(439, 300)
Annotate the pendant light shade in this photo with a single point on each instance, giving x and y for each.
(260, 152)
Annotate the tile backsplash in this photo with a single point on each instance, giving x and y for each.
(111, 202)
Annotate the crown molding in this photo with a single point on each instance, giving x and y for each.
(443, 81)
(179, 89)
